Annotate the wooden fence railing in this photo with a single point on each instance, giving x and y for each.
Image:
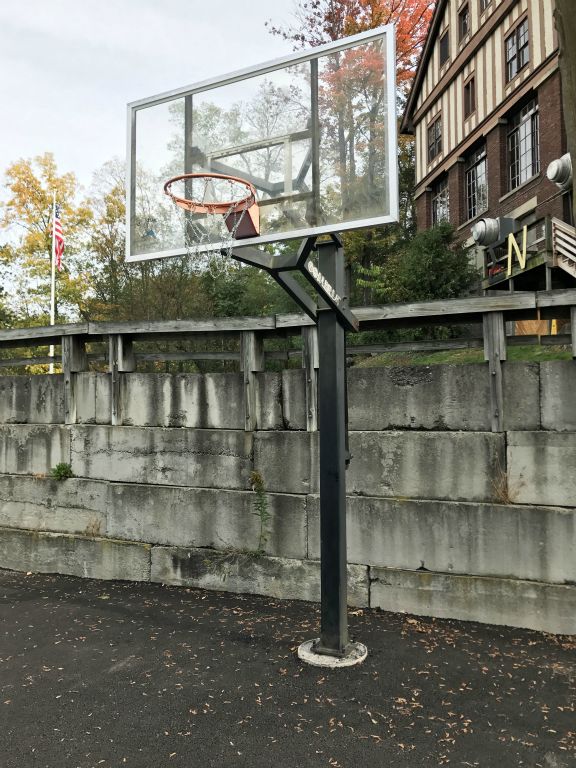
(491, 313)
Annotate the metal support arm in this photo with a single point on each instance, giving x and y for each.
(278, 265)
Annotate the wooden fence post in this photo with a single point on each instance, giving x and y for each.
(251, 361)
(121, 359)
(495, 354)
(310, 363)
(74, 360)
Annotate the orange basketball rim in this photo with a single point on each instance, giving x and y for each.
(242, 215)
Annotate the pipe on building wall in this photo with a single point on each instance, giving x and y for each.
(560, 172)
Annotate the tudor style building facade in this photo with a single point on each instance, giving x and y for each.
(486, 112)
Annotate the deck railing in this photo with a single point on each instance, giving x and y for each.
(120, 341)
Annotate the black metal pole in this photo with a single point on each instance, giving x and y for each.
(333, 318)
(333, 455)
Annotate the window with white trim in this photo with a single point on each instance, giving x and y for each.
(434, 139)
(476, 183)
(440, 201)
(463, 22)
(469, 97)
(444, 48)
(523, 149)
(517, 50)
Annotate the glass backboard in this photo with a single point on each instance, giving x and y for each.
(314, 132)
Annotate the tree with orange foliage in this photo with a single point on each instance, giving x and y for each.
(320, 21)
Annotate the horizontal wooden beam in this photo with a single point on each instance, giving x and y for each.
(436, 345)
(515, 306)
(285, 354)
(180, 356)
(556, 298)
(556, 305)
(295, 321)
(40, 335)
(211, 325)
(449, 311)
(19, 362)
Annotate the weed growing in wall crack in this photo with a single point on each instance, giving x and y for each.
(61, 471)
(260, 508)
(222, 562)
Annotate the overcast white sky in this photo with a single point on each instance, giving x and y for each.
(69, 67)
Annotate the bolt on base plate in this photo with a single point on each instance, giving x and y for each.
(355, 654)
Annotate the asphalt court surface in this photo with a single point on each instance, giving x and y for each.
(146, 676)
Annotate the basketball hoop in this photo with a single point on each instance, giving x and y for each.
(217, 210)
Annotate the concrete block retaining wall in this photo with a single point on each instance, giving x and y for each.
(445, 517)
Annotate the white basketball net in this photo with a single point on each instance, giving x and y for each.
(210, 237)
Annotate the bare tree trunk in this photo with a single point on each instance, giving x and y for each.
(566, 25)
(342, 157)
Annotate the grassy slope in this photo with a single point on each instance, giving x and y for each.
(528, 354)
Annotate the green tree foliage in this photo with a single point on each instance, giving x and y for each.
(166, 290)
(367, 251)
(429, 266)
(6, 316)
(106, 242)
(27, 214)
(242, 290)
(169, 289)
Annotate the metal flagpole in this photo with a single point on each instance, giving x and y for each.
(53, 279)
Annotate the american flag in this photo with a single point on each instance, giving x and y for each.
(58, 237)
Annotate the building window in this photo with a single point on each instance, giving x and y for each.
(523, 151)
(444, 48)
(469, 97)
(517, 51)
(434, 139)
(463, 22)
(476, 183)
(484, 4)
(440, 201)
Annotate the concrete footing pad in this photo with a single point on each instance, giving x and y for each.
(356, 654)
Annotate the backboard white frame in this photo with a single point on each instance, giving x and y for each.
(386, 33)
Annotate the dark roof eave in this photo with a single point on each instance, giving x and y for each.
(406, 125)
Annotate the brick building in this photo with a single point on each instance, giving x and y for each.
(486, 112)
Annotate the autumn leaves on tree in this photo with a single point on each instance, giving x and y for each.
(319, 21)
(95, 282)
(27, 215)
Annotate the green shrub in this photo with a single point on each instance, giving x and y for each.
(62, 471)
